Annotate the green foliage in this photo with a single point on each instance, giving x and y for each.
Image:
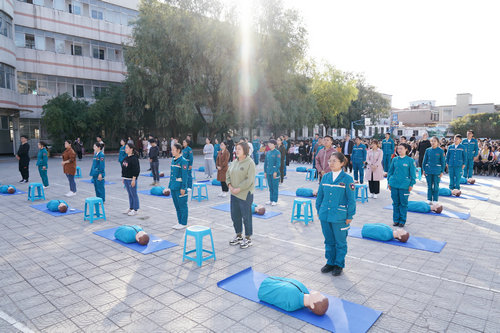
(483, 125)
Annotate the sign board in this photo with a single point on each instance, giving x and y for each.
(368, 121)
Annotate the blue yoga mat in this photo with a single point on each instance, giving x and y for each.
(203, 181)
(417, 243)
(43, 208)
(292, 194)
(447, 181)
(463, 196)
(227, 208)
(342, 316)
(444, 213)
(90, 182)
(15, 193)
(147, 192)
(155, 243)
(150, 175)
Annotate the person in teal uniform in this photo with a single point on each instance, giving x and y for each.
(434, 164)
(446, 192)
(291, 295)
(388, 150)
(424, 207)
(42, 163)
(383, 232)
(471, 151)
(216, 149)
(272, 165)
(57, 206)
(178, 185)
(256, 148)
(97, 171)
(455, 159)
(122, 154)
(401, 178)
(336, 206)
(187, 153)
(358, 158)
(132, 234)
(306, 192)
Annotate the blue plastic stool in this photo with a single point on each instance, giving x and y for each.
(92, 211)
(419, 173)
(312, 174)
(199, 195)
(364, 192)
(35, 192)
(307, 215)
(198, 232)
(261, 181)
(78, 172)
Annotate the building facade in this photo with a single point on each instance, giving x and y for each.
(52, 47)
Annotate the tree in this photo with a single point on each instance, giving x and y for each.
(484, 125)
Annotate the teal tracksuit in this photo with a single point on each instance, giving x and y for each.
(400, 177)
(122, 154)
(445, 192)
(179, 181)
(358, 158)
(127, 233)
(41, 162)
(419, 206)
(284, 293)
(187, 153)
(97, 169)
(335, 204)
(388, 150)
(378, 231)
(256, 147)
(434, 164)
(53, 205)
(272, 164)
(216, 151)
(471, 150)
(455, 158)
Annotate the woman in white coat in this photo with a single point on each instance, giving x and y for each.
(374, 171)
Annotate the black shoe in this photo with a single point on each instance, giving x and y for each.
(21, 181)
(327, 268)
(395, 224)
(337, 270)
(401, 225)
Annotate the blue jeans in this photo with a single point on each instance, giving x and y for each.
(133, 199)
(154, 170)
(241, 214)
(72, 184)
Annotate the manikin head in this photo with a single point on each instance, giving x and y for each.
(11, 190)
(260, 210)
(471, 180)
(318, 303)
(166, 192)
(315, 193)
(456, 192)
(63, 208)
(162, 174)
(437, 208)
(401, 235)
(142, 238)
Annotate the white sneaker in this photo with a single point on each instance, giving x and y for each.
(370, 195)
(178, 226)
(268, 203)
(127, 211)
(375, 196)
(224, 194)
(70, 194)
(131, 213)
(46, 187)
(273, 203)
(220, 194)
(189, 189)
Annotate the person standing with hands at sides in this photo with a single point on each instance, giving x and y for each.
(388, 150)
(282, 150)
(256, 148)
(42, 163)
(222, 165)
(187, 153)
(164, 148)
(358, 159)
(347, 147)
(216, 149)
(316, 151)
(208, 155)
(374, 172)
(421, 148)
(99, 140)
(472, 152)
(433, 166)
(78, 148)
(122, 154)
(97, 171)
(455, 159)
(69, 167)
(336, 206)
(154, 153)
(230, 147)
(272, 167)
(178, 185)
(240, 178)
(401, 178)
(23, 156)
(130, 172)
(322, 158)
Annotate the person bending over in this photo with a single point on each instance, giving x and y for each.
(291, 295)
(424, 207)
(57, 206)
(132, 234)
(383, 232)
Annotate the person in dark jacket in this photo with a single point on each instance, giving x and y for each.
(154, 153)
(422, 147)
(23, 156)
(130, 172)
(230, 147)
(78, 148)
(347, 147)
(282, 149)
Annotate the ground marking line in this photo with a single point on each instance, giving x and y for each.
(15, 323)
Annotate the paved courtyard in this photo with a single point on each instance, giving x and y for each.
(57, 276)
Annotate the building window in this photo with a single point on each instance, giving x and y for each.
(75, 8)
(29, 41)
(400, 132)
(78, 91)
(98, 53)
(60, 46)
(97, 14)
(76, 50)
(473, 110)
(40, 43)
(7, 77)
(5, 25)
(59, 4)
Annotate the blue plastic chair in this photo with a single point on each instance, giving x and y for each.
(92, 211)
(260, 180)
(312, 174)
(78, 172)
(198, 187)
(300, 215)
(198, 232)
(419, 173)
(35, 192)
(361, 191)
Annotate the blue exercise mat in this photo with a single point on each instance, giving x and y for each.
(342, 316)
(150, 175)
(155, 243)
(447, 181)
(147, 192)
(43, 208)
(462, 196)
(417, 243)
(292, 194)
(90, 182)
(203, 181)
(227, 208)
(444, 213)
(15, 193)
